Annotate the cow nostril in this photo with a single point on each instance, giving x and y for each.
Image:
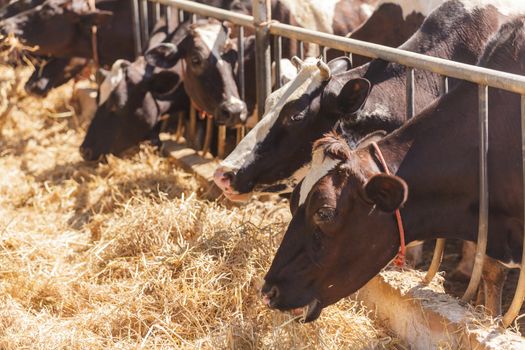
(270, 292)
(229, 176)
(86, 153)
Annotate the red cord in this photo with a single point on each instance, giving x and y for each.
(400, 258)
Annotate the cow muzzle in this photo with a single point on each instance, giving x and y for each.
(230, 113)
(223, 178)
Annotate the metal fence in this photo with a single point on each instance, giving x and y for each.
(265, 28)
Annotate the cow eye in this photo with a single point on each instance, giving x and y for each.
(297, 117)
(196, 60)
(324, 215)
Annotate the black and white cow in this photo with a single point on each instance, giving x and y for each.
(210, 55)
(273, 155)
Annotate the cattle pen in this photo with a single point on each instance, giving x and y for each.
(267, 29)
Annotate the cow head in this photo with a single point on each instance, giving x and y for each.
(52, 73)
(273, 156)
(132, 98)
(54, 25)
(342, 232)
(209, 58)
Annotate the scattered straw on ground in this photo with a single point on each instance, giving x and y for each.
(125, 255)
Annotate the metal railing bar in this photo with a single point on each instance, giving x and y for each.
(155, 12)
(277, 55)
(136, 27)
(519, 295)
(221, 146)
(240, 72)
(443, 88)
(483, 195)
(210, 11)
(439, 249)
(410, 86)
(301, 50)
(144, 23)
(475, 74)
(351, 58)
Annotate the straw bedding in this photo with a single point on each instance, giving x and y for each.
(125, 255)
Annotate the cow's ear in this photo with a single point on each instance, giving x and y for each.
(387, 192)
(339, 65)
(164, 55)
(353, 96)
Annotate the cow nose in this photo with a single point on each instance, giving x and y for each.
(223, 178)
(269, 294)
(231, 113)
(86, 153)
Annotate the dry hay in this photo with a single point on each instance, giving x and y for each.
(125, 255)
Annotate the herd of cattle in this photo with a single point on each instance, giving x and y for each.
(333, 134)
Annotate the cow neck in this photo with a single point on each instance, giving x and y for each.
(400, 258)
(200, 111)
(94, 37)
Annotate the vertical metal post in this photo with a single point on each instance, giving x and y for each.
(410, 93)
(439, 249)
(144, 21)
(155, 12)
(277, 54)
(483, 195)
(261, 18)
(443, 88)
(519, 295)
(323, 51)
(241, 79)
(180, 15)
(136, 27)
(208, 135)
(301, 50)
(351, 58)
(192, 127)
(169, 13)
(221, 149)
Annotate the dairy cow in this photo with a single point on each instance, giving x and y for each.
(347, 199)
(210, 55)
(272, 157)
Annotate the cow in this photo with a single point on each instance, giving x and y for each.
(347, 198)
(210, 55)
(131, 100)
(52, 73)
(273, 155)
(62, 28)
(391, 24)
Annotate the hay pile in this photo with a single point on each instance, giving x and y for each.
(125, 255)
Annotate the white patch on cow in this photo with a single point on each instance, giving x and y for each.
(380, 111)
(367, 10)
(313, 14)
(425, 7)
(321, 165)
(114, 78)
(288, 71)
(234, 100)
(306, 81)
(213, 36)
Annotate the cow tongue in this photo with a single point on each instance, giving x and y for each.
(305, 311)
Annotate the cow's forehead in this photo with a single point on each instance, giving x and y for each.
(213, 36)
(307, 80)
(319, 168)
(114, 77)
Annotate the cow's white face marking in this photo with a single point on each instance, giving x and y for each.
(114, 78)
(213, 36)
(321, 165)
(306, 81)
(425, 7)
